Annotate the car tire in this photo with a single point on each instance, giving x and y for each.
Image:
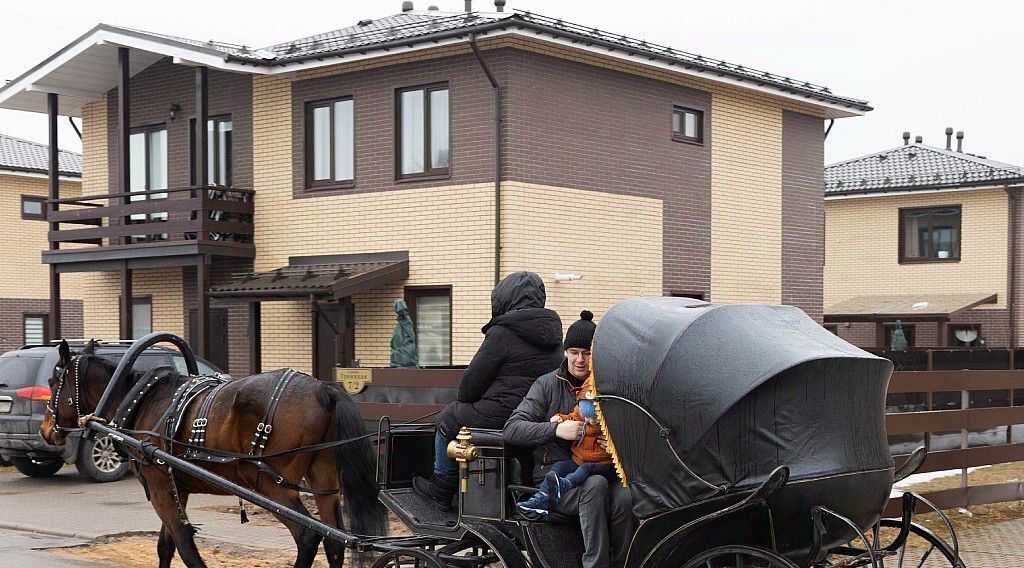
(99, 460)
(37, 468)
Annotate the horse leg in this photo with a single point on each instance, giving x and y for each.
(165, 547)
(182, 535)
(307, 542)
(322, 475)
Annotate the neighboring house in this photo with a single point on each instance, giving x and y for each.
(24, 281)
(927, 236)
(358, 166)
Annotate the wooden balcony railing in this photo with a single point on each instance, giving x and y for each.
(160, 217)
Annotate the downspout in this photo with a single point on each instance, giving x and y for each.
(497, 156)
(1010, 303)
(75, 126)
(831, 123)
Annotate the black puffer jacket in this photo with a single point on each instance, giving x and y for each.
(521, 342)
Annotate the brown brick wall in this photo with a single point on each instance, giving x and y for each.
(239, 325)
(12, 319)
(803, 212)
(569, 124)
(155, 89)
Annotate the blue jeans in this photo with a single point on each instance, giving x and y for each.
(444, 466)
(576, 475)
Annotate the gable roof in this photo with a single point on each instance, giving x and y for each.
(32, 157)
(73, 74)
(916, 167)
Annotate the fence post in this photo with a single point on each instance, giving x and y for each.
(964, 405)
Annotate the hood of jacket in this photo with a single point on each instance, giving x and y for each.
(519, 290)
(539, 326)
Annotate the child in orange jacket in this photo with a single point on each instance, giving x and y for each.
(588, 458)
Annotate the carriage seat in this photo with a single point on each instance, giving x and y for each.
(523, 456)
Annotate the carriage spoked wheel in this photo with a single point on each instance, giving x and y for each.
(738, 557)
(408, 558)
(923, 548)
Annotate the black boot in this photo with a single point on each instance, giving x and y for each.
(439, 489)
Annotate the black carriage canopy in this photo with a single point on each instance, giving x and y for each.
(742, 389)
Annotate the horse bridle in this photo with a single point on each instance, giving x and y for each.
(54, 402)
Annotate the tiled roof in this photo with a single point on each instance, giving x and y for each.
(24, 156)
(916, 167)
(409, 28)
(318, 278)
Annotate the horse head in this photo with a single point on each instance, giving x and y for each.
(76, 385)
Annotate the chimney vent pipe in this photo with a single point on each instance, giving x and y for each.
(949, 138)
(960, 141)
(918, 139)
(499, 5)
(906, 138)
(407, 6)
(469, 5)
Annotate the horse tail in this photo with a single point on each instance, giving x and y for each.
(355, 462)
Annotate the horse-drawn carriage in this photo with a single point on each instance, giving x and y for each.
(748, 436)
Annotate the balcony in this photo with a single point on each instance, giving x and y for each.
(145, 229)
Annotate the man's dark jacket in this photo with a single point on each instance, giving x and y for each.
(530, 423)
(522, 341)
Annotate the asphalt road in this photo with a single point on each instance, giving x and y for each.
(20, 549)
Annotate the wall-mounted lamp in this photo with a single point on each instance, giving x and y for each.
(172, 112)
(566, 277)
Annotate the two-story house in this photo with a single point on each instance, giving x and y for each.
(423, 156)
(24, 282)
(928, 236)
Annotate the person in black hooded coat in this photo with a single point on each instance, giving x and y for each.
(522, 341)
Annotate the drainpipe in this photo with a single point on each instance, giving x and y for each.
(1010, 303)
(497, 156)
(831, 123)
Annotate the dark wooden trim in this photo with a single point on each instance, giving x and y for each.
(413, 293)
(960, 497)
(199, 156)
(126, 303)
(46, 326)
(124, 122)
(255, 339)
(937, 381)
(33, 199)
(229, 156)
(417, 378)
(53, 109)
(202, 339)
(692, 294)
(398, 412)
(330, 183)
(370, 280)
(677, 135)
(932, 254)
(429, 172)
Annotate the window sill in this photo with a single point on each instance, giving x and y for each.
(927, 260)
(423, 177)
(330, 187)
(685, 140)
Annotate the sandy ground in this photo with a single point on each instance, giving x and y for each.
(139, 551)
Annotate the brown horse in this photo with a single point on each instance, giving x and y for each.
(309, 412)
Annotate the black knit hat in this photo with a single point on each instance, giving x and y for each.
(581, 332)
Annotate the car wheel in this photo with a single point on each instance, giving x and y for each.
(100, 461)
(37, 468)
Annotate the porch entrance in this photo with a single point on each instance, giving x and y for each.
(218, 336)
(334, 337)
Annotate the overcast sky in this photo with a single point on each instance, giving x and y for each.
(922, 65)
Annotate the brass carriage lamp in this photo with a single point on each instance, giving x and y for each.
(463, 452)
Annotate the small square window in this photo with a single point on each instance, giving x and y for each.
(35, 329)
(930, 234)
(33, 207)
(687, 125)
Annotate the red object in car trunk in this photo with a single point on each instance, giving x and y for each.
(34, 393)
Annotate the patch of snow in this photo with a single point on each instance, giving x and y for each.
(899, 487)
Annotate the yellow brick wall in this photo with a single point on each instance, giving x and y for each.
(746, 198)
(619, 254)
(101, 290)
(862, 254)
(448, 232)
(94, 148)
(22, 241)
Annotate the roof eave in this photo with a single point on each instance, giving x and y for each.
(904, 190)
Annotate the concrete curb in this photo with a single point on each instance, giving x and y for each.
(36, 529)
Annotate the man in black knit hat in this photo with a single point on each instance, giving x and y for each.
(604, 509)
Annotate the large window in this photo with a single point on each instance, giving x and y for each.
(930, 234)
(431, 312)
(148, 173)
(422, 137)
(330, 143)
(219, 132)
(35, 329)
(687, 125)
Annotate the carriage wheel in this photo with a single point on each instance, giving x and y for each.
(738, 557)
(921, 546)
(408, 558)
